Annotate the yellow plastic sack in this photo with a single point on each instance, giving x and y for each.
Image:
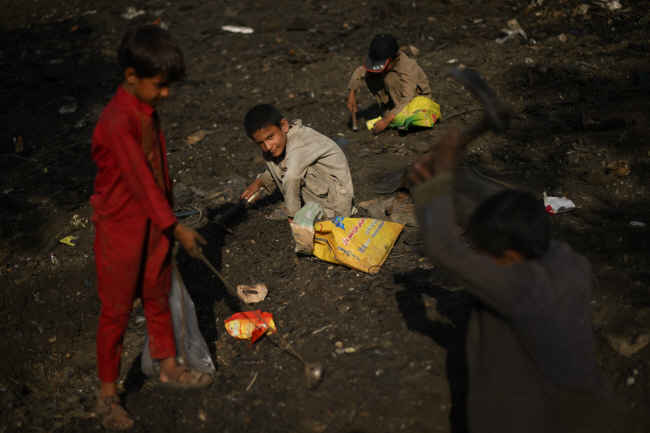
(420, 111)
(359, 243)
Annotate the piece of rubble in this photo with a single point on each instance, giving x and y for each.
(252, 294)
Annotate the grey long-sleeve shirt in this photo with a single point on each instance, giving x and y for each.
(313, 168)
(530, 342)
(395, 89)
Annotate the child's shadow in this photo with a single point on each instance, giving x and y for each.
(448, 330)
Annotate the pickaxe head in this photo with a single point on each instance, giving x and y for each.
(497, 113)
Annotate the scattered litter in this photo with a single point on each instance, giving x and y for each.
(321, 329)
(78, 221)
(252, 294)
(620, 168)
(342, 142)
(510, 34)
(556, 205)
(140, 320)
(202, 415)
(247, 326)
(132, 12)
(66, 109)
(87, 281)
(69, 240)
(54, 260)
(452, 61)
(530, 62)
(93, 12)
(637, 224)
(197, 136)
(562, 37)
(344, 350)
(181, 215)
(252, 381)
(7, 191)
(40, 327)
(52, 339)
(237, 29)
(611, 5)
(413, 50)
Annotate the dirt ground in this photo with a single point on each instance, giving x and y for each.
(581, 89)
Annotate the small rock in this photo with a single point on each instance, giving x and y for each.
(562, 37)
(202, 415)
(419, 146)
(344, 309)
(513, 24)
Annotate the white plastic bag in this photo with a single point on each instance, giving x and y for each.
(191, 349)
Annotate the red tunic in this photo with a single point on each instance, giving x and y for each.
(133, 219)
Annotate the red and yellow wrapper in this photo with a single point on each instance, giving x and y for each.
(248, 326)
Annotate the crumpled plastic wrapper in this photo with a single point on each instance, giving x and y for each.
(248, 326)
(556, 205)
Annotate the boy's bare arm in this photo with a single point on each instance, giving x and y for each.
(444, 158)
(190, 240)
(352, 102)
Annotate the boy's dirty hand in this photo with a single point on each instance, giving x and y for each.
(352, 102)
(252, 189)
(382, 124)
(444, 157)
(190, 240)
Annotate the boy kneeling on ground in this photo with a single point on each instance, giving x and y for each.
(530, 341)
(306, 165)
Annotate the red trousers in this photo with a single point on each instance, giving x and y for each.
(133, 260)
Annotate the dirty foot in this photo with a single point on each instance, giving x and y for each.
(111, 414)
(183, 377)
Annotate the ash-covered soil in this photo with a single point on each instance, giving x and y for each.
(581, 89)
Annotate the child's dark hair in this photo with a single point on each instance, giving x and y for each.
(150, 51)
(261, 116)
(511, 220)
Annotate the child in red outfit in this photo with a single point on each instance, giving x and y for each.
(134, 218)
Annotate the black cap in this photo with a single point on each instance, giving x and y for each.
(382, 48)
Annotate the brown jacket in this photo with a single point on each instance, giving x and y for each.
(395, 89)
(312, 169)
